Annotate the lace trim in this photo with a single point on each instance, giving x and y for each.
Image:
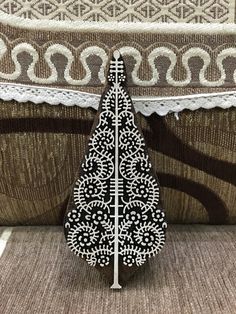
(160, 105)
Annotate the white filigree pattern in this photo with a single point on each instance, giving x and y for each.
(117, 195)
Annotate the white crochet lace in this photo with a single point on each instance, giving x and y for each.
(147, 106)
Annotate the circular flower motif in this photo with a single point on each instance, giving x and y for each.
(92, 164)
(87, 189)
(85, 236)
(97, 212)
(150, 237)
(145, 188)
(84, 239)
(99, 216)
(122, 78)
(129, 259)
(111, 77)
(103, 260)
(142, 190)
(90, 189)
(135, 212)
(133, 216)
(158, 215)
(73, 215)
(139, 188)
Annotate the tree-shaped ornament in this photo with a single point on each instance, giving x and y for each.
(114, 219)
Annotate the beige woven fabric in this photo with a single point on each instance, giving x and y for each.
(174, 11)
(194, 273)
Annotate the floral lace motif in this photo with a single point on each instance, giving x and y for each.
(160, 105)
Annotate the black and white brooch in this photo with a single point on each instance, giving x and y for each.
(114, 219)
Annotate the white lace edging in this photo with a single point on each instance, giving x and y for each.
(164, 105)
(146, 105)
(52, 96)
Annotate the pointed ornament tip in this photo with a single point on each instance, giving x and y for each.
(116, 72)
(116, 54)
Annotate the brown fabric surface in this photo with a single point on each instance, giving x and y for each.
(196, 156)
(194, 273)
(41, 147)
(39, 160)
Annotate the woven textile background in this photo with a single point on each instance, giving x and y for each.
(41, 147)
(174, 11)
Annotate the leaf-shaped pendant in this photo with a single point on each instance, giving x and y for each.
(114, 220)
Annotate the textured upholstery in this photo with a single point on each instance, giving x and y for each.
(42, 146)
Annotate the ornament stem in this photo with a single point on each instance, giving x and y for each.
(116, 284)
